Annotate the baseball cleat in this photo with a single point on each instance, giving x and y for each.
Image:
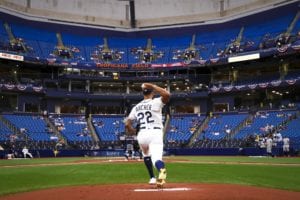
(160, 184)
(152, 181)
(161, 178)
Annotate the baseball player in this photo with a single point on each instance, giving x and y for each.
(25, 151)
(269, 144)
(148, 114)
(129, 152)
(286, 146)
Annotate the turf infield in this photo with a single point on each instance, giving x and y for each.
(26, 175)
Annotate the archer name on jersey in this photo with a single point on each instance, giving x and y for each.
(148, 113)
(143, 107)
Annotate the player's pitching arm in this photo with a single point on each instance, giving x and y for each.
(165, 95)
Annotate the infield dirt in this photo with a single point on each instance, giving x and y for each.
(127, 191)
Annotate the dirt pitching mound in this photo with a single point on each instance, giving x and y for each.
(171, 191)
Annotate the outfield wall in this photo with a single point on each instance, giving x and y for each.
(168, 152)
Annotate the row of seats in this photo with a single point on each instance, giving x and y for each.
(292, 130)
(208, 43)
(221, 126)
(181, 127)
(109, 128)
(33, 126)
(73, 128)
(264, 122)
(5, 132)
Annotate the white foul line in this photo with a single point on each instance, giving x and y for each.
(162, 189)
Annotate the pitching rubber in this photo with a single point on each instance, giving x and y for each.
(163, 189)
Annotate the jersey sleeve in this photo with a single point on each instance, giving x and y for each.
(158, 104)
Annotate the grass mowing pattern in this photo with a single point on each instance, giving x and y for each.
(16, 162)
(266, 176)
(238, 159)
(21, 179)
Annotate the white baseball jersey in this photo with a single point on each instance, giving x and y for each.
(25, 151)
(148, 113)
(286, 144)
(286, 141)
(269, 144)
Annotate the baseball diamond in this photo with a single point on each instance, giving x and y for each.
(237, 181)
(132, 99)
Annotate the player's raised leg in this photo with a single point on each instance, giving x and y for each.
(160, 166)
(156, 155)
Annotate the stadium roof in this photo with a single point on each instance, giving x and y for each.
(131, 15)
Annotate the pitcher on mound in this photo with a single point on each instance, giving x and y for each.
(148, 114)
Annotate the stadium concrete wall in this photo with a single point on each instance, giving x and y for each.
(116, 13)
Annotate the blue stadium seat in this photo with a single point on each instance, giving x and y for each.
(257, 127)
(32, 125)
(109, 128)
(72, 127)
(292, 129)
(44, 41)
(5, 132)
(182, 127)
(221, 125)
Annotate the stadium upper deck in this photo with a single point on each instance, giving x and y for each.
(179, 46)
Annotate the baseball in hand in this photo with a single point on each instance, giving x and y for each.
(143, 85)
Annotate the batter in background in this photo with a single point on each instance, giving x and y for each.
(148, 114)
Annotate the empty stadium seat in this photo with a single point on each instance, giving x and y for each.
(208, 42)
(5, 132)
(32, 125)
(72, 127)
(261, 120)
(222, 125)
(109, 128)
(182, 127)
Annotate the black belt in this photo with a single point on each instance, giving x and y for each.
(153, 128)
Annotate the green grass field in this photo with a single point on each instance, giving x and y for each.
(25, 175)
